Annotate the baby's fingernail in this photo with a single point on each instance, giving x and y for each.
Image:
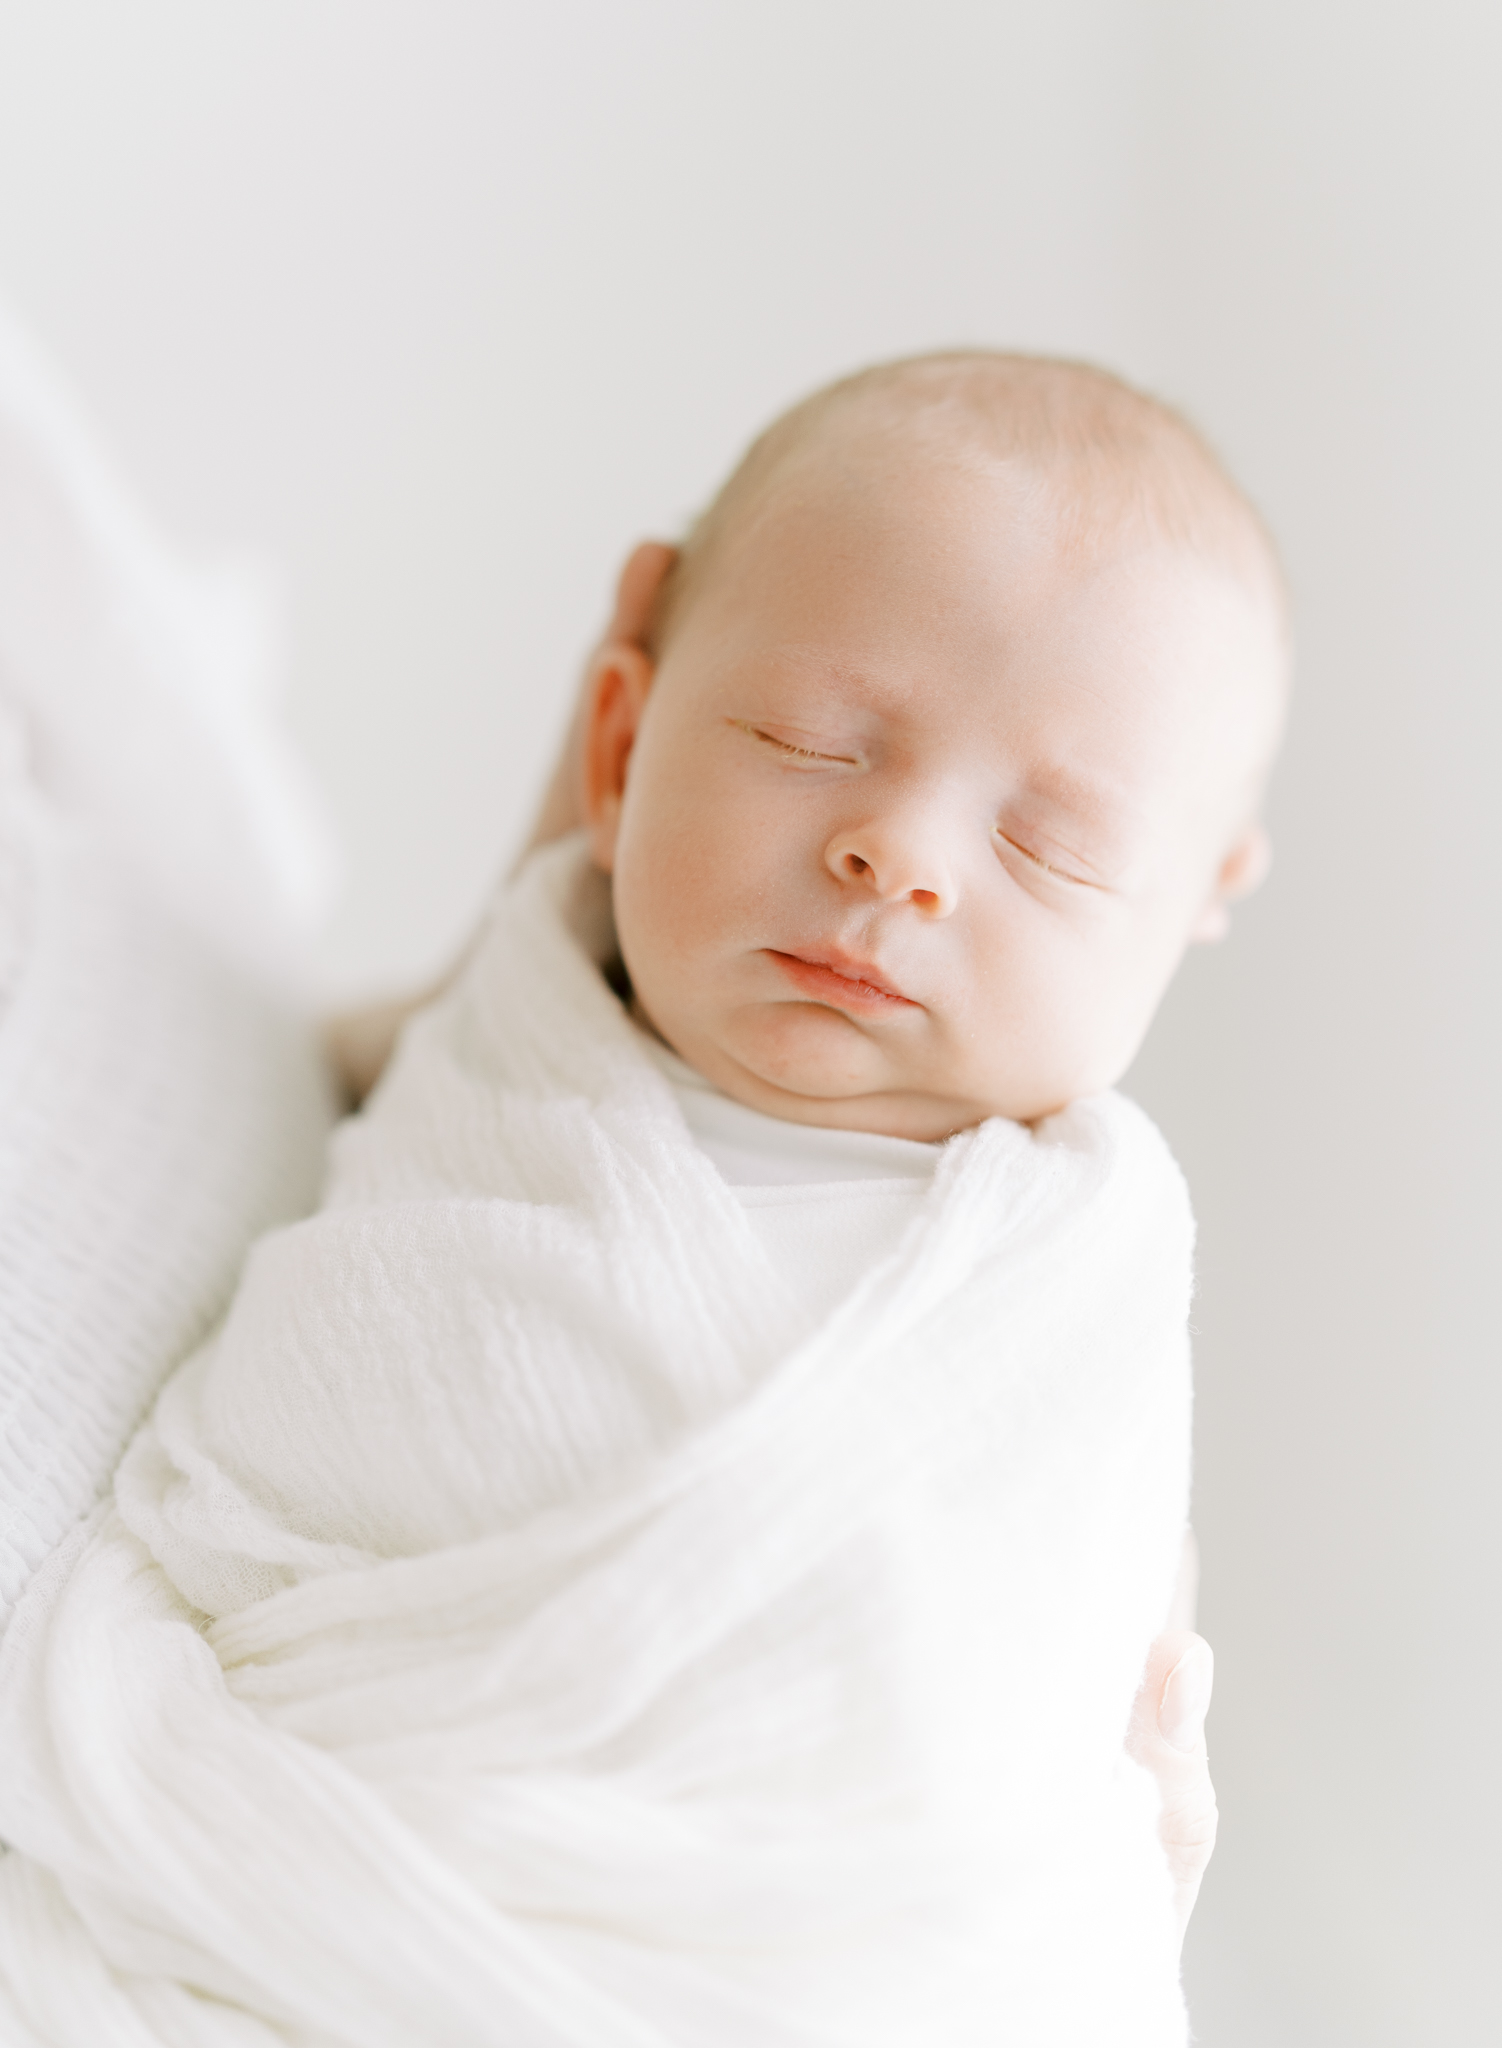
(1186, 1698)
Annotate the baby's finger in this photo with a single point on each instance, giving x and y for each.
(1167, 1737)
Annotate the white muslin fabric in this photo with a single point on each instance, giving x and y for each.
(509, 1632)
(162, 1094)
(825, 1205)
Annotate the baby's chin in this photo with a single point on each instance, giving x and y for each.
(814, 1067)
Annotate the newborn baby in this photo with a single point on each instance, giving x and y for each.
(665, 1555)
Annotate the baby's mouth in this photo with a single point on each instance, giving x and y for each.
(846, 984)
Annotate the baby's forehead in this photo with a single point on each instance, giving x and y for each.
(944, 536)
(1103, 467)
(1085, 515)
(910, 602)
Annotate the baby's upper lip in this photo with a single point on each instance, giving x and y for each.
(848, 965)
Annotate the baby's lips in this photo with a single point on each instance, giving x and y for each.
(837, 979)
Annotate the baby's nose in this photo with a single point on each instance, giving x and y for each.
(898, 865)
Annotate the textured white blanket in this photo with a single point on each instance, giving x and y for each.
(160, 1102)
(504, 1636)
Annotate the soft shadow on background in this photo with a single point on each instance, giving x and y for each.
(439, 307)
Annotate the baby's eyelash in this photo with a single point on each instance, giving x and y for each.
(1026, 852)
(1036, 860)
(792, 752)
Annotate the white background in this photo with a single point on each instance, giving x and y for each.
(441, 306)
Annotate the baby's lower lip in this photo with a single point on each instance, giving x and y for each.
(846, 990)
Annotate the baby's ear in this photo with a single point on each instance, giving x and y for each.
(620, 677)
(1243, 870)
(647, 569)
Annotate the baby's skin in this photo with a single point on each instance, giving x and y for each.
(915, 785)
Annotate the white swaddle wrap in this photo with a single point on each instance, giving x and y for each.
(504, 1635)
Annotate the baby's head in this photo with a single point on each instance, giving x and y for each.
(949, 739)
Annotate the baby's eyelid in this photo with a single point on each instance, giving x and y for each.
(1047, 867)
(792, 750)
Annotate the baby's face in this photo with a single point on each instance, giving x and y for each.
(917, 815)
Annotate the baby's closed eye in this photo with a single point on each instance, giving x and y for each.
(1045, 861)
(798, 747)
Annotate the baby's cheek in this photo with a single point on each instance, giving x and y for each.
(1039, 1042)
(655, 921)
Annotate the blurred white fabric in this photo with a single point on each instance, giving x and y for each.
(162, 869)
(145, 688)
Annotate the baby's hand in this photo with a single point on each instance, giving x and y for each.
(1167, 1737)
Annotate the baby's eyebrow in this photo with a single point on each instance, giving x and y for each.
(1066, 787)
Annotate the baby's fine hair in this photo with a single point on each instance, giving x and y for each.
(1112, 466)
